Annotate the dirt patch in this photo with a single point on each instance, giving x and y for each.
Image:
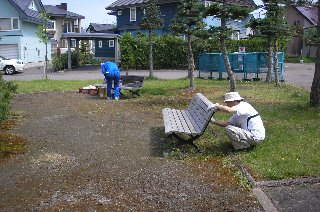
(85, 153)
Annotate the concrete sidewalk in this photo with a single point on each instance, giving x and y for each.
(295, 74)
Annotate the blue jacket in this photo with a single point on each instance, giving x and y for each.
(110, 69)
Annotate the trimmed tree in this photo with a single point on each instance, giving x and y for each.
(188, 21)
(43, 37)
(226, 10)
(151, 21)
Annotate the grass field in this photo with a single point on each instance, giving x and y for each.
(292, 145)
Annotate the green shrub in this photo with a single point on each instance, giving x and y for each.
(60, 62)
(6, 92)
(170, 52)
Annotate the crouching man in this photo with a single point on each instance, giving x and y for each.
(245, 127)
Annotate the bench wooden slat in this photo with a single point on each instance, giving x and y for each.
(193, 129)
(175, 121)
(192, 121)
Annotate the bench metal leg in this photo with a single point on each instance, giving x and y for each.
(186, 141)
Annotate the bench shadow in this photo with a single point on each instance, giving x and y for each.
(160, 143)
(212, 143)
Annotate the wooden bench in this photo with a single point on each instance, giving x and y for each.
(191, 122)
(128, 82)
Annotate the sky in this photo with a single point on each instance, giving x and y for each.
(93, 10)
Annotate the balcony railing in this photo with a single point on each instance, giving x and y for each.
(70, 28)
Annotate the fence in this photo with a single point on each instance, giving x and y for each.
(252, 63)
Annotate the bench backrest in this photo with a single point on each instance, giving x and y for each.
(198, 111)
(136, 81)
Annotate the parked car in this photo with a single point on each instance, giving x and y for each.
(10, 66)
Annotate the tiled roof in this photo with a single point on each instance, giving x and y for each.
(310, 13)
(120, 4)
(56, 11)
(25, 13)
(102, 27)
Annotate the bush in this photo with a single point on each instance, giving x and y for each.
(60, 62)
(170, 52)
(6, 93)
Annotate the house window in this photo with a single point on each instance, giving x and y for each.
(52, 25)
(120, 12)
(73, 43)
(100, 43)
(64, 43)
(15, 23)
(111, 43)
(7, 24)
(296, 23)
(133, 14)
(207, 3)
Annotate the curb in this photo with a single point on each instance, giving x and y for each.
(264, 200)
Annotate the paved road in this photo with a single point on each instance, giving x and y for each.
(296, 74)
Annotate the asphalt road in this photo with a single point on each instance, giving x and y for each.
(295, 74)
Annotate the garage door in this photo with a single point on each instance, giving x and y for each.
(9, 50)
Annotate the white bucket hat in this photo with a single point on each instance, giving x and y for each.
(232, 96)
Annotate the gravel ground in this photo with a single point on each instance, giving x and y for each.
(90, 154)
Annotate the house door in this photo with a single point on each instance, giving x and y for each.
(9, 50)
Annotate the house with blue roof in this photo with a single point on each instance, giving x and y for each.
(19, 20)
(129, 13)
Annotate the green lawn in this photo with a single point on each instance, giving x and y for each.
(292, 145)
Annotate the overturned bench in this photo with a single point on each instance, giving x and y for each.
(191, 122)
(131, 83)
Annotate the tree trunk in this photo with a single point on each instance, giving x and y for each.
(150, 55)
(269, 73)
(191, 62)
(315, 88)
(275, 62)
(45, 76)
(226, 61)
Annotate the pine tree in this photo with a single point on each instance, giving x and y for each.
(151, 21)
(188, 21)
(226, 10)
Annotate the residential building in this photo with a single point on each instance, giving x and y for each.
(302, 18)
(19, 20)
(104, 46)
(129, 13)
(63, 21)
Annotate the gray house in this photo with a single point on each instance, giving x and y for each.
(63, 21)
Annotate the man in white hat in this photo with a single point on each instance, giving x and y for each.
(245, 127)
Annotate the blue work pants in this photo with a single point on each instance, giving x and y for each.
(115, 79)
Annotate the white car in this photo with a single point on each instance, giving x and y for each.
(10, 66)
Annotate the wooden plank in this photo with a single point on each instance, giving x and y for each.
(167, 120)
(194, 130)
(174, 121)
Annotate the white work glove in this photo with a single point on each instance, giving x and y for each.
(213, 107)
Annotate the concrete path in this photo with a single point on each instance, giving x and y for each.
(296, 74)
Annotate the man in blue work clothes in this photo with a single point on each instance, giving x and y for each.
(111, 73)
